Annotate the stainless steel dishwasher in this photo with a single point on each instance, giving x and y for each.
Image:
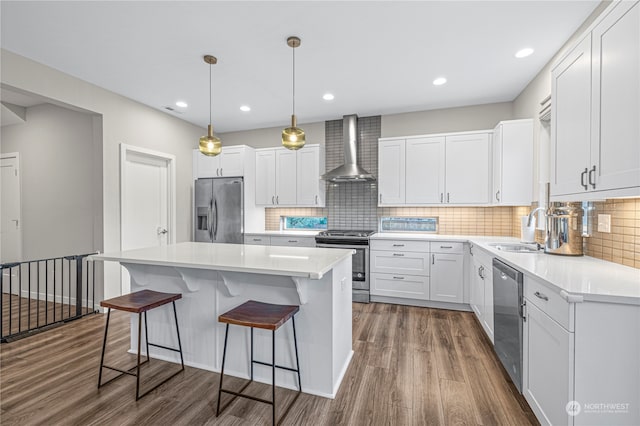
(507, 316)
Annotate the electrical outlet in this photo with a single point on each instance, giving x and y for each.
(604, 223)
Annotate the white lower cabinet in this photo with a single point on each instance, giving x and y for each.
(447, 272)
(418, 269)
(481, 289)
(549, 353)
(580, 358)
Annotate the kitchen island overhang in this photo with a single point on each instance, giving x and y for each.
(214, 278)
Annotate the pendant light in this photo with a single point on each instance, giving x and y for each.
(210, 145)
(293, 137)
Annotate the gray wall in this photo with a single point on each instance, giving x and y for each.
(58, 176)
(272, 136)
(123, 121)
(475, 117)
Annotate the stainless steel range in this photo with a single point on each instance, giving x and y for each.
(358, 241)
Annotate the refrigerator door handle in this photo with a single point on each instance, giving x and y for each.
(215, 222)
(209, 220)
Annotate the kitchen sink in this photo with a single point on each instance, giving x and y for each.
(516, 247)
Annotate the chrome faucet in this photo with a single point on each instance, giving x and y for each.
(533, 212)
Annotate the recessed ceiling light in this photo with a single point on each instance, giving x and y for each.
(327, 97)
(182, 104)
(439, 81)
(245, 108)
(523, 53)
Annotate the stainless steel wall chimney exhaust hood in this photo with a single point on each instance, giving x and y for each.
(350, 171)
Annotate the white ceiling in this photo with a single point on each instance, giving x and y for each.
(376, 57)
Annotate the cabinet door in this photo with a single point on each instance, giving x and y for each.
(548, 385)
(447, 277)
(309, 184)
(207, 167)
(476, 297)
(400, 262)
(513, 163)
(571, 121)
(286, 174)
(424, 170)
(232, 161)
(265, 177)
(467, 169)
(615, 154)
(391, 172)
(487, 311)
(397, 285)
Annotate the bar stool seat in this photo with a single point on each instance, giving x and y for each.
(265, 316)
(140, 302)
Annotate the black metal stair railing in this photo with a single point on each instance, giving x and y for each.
(39, 294)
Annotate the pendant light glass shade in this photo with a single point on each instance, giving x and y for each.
(210, 145)
(293, 137)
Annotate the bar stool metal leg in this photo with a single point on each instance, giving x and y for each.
(273, 378)
(146, 336)
(139, 348)
(104, 345)
(251, 353)
(175, 315)
(295, 345)
(224, 355)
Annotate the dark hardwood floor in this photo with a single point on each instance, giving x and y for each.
(412, 366)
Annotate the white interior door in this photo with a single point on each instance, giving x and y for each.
(146, 201)
(10, 219)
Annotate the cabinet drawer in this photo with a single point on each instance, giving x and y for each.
(262, 240)
(398, 285)
(550, 302)
(400, 262)
(293, 241)
(404, 245)
(446, 247)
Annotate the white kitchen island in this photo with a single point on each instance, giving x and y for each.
(214, 278)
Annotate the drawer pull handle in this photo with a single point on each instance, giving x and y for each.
(541, 296)
(398, 254)
(398, 245)
(446, 247)
(257, 239)
(292, 241)
(398, 278)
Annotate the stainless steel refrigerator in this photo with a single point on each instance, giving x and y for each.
(219, 210)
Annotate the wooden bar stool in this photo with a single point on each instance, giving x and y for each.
(140, 302)
(269, 317)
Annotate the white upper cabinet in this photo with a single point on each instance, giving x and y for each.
(615, 115)
(596, 104)
(391, 172)
(467, 169)
(289, 178)
(265, 177)
(310, 165)
(441, 169)
(286, 173)
(230, 162)
(513, 163)
(424, 170)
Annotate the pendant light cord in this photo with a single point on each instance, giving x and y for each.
(294, 81)
(210, 97)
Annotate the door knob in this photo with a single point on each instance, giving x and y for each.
(161, 231)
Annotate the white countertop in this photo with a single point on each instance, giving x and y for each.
(285, 233)
(593, 279)
(308, 262)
